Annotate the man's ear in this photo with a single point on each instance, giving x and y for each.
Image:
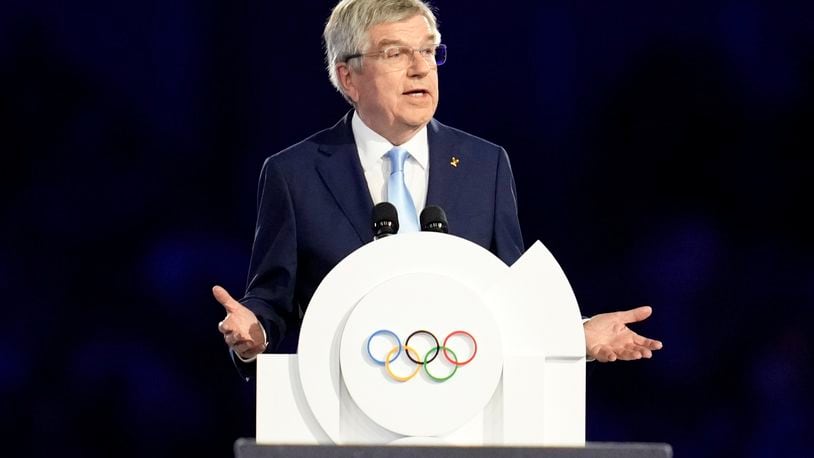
(347, 79)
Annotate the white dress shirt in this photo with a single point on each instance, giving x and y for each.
(372, 149)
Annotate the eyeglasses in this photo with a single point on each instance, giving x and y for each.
(401, 57)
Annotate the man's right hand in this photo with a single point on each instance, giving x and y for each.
(241, 330)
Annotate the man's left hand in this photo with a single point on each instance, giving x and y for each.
(607, 337)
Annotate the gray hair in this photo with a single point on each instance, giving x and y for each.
(346, 31)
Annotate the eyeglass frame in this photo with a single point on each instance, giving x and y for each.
(381, 54)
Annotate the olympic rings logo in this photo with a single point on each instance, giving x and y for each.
(428, 358)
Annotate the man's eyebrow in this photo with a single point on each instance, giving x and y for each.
(390, 41)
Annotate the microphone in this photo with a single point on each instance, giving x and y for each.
(385, 220)
(433, 219)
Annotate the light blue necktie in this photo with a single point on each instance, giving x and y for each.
(397, 192)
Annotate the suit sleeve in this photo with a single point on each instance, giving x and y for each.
(507, 242)
(273, 266)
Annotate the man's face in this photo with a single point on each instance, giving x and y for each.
(395, 103)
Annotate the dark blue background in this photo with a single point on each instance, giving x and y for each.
(662, 151)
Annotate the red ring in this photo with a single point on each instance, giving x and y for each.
(462, 363)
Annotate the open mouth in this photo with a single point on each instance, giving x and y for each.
(417, 92)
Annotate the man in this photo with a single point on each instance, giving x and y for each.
(315, 198)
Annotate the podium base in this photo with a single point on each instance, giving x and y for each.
(248, 448)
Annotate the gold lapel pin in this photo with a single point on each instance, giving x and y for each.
(454, 161)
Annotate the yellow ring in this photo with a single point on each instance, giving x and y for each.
(390, 355)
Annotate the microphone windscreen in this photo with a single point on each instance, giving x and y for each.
(384, 219)
(434, 219)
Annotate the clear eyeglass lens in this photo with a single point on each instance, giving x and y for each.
(401, 56)
(440, 54)
(396, 54)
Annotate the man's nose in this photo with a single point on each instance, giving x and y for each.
(418, 65)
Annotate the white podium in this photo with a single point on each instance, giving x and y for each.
(427, 338)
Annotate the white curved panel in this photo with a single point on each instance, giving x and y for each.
(358, 274)
(421, 406)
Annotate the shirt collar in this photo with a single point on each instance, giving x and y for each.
(372, 146)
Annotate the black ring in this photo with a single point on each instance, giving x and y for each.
(407, 342)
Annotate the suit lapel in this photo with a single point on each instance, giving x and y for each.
(341, 171)
(445, 179)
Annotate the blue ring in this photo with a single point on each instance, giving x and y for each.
(383, 331)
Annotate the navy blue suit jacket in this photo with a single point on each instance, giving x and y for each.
(314, 208)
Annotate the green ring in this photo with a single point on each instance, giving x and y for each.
(426, 364)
